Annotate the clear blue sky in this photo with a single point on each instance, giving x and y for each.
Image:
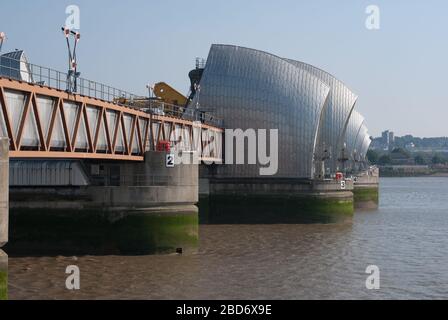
(399, 72)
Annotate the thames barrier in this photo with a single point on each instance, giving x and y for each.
(322, 140)
(97, 169)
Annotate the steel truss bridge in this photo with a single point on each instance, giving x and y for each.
(45, 122)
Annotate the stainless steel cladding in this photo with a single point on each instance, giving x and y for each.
(365, 146)
(354, 126)
(311, 109)
(359, 142)
(335, 117)
(254, 89)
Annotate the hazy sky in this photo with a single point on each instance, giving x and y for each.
(399, 72)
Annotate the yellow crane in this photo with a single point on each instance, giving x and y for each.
(164, 92)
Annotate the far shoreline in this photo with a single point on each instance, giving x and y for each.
(415, 175)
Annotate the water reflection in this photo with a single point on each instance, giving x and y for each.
(406, 238)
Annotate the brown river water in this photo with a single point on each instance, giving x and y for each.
(407, 238)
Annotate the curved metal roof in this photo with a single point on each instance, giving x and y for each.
(254, 89)
(336, 114)
(312, 109)
(359, 141)
(354, 126)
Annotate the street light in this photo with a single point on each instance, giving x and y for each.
(2, 39)
(72, 74)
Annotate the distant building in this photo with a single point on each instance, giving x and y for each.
(391, 138)
(385, 138)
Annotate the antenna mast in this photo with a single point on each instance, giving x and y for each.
(2, 39)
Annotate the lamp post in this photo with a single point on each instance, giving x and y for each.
(72, 74)
(2, 39)
(197, 88)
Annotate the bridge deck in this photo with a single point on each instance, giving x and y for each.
(43, 122)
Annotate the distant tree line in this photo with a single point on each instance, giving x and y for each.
(429, 143)
(401, 156)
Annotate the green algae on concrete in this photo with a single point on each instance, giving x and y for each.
(3, 285)
(3, 275)
(162, 232)
(365, 193)
(265, 209)
(155, 230)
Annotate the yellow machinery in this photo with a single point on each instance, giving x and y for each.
(138, 103)
(168, 94)
(167, 100)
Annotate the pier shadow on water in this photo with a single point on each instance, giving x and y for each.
(54, 232)
(266, 210)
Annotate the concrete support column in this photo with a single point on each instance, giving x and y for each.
(366, 189)
(275, 200)
(4, 195)
(127, 208)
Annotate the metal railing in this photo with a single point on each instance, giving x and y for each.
(31, 73)
(158, 107)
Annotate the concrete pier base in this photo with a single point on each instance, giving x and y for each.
(128, 208)
(4, 190)
(4, 215)
(76, 232)
(366, 190)
(266, 201)
(3, 275)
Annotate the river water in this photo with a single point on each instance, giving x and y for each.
(407, 238)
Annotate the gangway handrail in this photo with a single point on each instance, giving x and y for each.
(21, 70)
